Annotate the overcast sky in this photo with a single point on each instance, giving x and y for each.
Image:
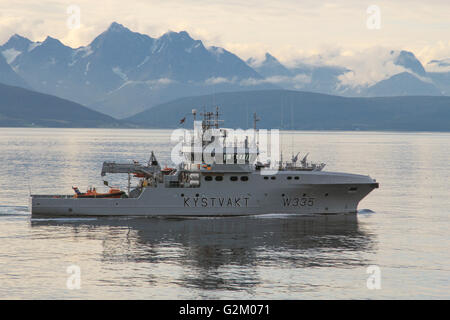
(287, 28)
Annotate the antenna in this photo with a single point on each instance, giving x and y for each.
(282, 109)
(216, 122)
(292, 128)
(255, 119)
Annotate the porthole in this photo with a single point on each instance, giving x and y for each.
(273, 178)
(244, 178)
(196, 195)
(233, 178)
(219, 178)
(296, 178)
(289, 178)
(208, 178)
(182, 194)
(326, 194)
(266, 178)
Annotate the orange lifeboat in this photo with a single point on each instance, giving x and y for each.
(167, 170)
(139, 175)
(92, 193)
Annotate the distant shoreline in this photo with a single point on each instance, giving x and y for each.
(189, 128)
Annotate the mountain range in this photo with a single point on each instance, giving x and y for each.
(284, 109)
(121, 72)
(21, 107)
(411, 80)
(297, 110)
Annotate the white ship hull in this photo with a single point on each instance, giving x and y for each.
(312, 192)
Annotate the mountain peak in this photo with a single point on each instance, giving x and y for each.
(269, 67)
(52, 42)
(270, 57)
(172, 35)
(51, 39)
(409, 61)
(17, 42)
(18, 37)
(118, 36)
(116, 27)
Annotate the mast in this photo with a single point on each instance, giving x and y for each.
(255, 119)
(217, 118)
(256, 137)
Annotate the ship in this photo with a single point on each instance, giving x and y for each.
(218, 173)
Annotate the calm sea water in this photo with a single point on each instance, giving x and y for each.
(402, 228)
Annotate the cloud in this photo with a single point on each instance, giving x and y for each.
(438, 51)
(288, 29)
(297, 81)
(367, 67)
(438, 65)
(219, 80)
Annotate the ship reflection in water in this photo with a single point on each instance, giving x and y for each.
(230, 253)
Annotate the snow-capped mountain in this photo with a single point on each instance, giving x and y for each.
(307, 77)
(413, 81)
(122, 72)
(9, 76)
(410, 79)
(269, 67)
(43, 64)
(409, 61)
